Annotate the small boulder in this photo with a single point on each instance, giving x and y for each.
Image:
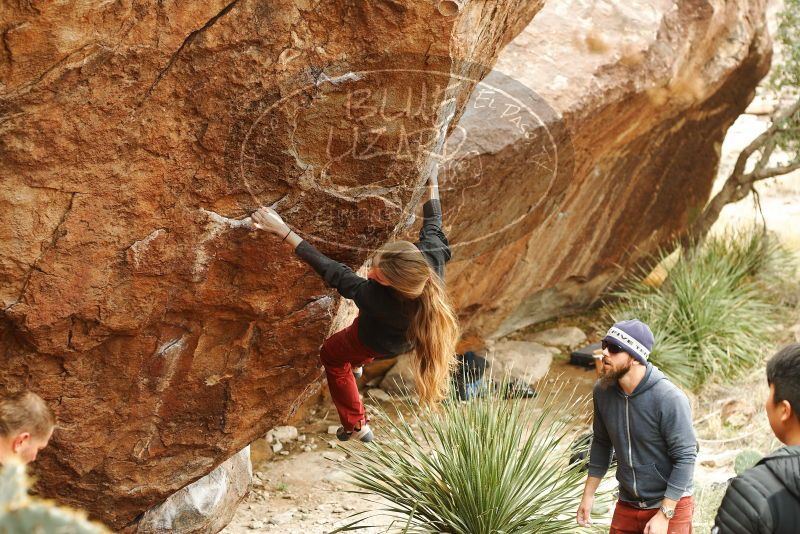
(282, 518)
(736, 413)
(566, 336)
(282, 434)
(399, 380)
(206, 505)
(523, 360)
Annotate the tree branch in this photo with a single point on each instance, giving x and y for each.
(777, 118)
(780, 170)
(769, 148)
(739, 183)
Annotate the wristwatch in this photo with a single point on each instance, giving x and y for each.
(668, 512)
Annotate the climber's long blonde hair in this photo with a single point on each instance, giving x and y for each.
(433, 329)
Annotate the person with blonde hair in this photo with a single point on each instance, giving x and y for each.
(26, 425)
(402, 306)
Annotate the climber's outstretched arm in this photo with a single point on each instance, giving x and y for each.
(433, 188)
(432, 239)
(337, 275)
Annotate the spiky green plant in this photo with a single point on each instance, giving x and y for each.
(745, 460)
(485, 466)
(713, 318)
(21, 513)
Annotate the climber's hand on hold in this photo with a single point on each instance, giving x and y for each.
(267, 219)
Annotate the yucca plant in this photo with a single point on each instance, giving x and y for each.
(713, 317)
(484, 466)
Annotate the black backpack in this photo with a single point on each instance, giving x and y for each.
(468, 380)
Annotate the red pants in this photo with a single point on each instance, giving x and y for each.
(629, 519)
(338, 354)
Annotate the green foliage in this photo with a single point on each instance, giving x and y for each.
(787, 73)
(785, 78)
(488, 465)
(713, 317)
(22, 513)
(745, 460)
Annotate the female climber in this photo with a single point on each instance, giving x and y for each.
(402, 305)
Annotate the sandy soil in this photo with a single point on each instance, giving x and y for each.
(306, 490)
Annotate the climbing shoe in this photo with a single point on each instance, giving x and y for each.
(358, 371)
(362, 434)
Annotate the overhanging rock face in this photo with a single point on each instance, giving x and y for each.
(135, 137)
(629, 102)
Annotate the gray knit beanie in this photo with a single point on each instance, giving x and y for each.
(634, 337)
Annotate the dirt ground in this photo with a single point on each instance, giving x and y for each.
(306, 490)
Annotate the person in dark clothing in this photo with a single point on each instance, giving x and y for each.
(402, 306)
(766, 498)
(647, 421)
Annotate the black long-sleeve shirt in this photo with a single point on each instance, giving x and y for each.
(383, 313)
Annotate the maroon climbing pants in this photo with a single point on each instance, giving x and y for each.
(631, 520)
(339, 353)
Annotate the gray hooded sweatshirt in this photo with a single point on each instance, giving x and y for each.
(651, 431)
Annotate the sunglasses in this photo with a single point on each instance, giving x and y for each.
(612, 348)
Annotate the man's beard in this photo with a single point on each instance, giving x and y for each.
(610, 378)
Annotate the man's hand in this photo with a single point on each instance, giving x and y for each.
(657, 525)
(584, 516)
(268, 219)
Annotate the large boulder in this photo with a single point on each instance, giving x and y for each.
(206, 505)
(629, 103)
(563, 336)
(526, 361)
(135, 137)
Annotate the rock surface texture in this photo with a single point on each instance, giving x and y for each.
(632, 102)
(135, 138)
(206, 505)
(527, 361)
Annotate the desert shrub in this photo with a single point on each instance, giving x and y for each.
(715, 314)
(488, 465)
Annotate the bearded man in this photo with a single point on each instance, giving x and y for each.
(647, 420)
